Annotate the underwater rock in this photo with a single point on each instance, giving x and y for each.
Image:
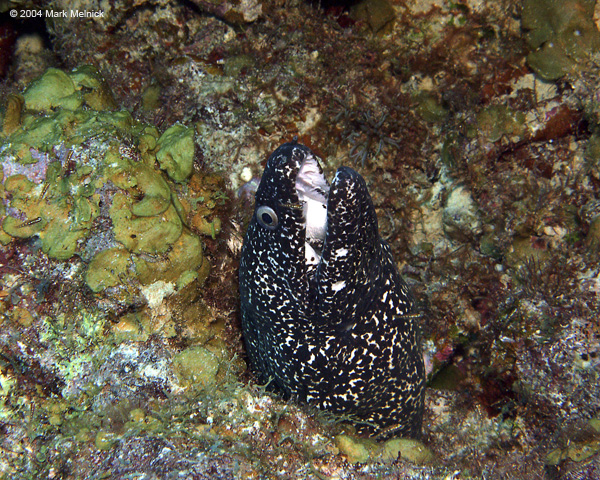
(524, 249)
(377, 14)
(592, 156)
(460, 218)
(232, 11)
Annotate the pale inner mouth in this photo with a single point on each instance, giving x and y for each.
(312, 188)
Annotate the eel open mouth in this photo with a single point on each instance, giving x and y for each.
(313, 189)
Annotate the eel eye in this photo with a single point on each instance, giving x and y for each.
(267, 217)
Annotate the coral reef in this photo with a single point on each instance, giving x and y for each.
(83, 181)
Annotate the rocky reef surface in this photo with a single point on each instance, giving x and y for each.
(129, 144)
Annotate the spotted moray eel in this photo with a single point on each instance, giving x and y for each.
(326, 317)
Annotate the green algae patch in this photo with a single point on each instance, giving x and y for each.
(205, 227)
(184, 257)
(429, 108)
(139, 421)
(146, 183)
(406, 449)
(357, 450)
(144, 234)
(196, 367)
(74, 337)
(362, 450)
(107, 268)
(155, 190)
(498, 120)
(21, 229)
(20, 190)
(57, 89)
(105, 440)
(68, 222)
(21, 316)
(59, 221)
(18, 186)
(60, 239)
(176, 152)
(93, 88)
(53, 89)
(39, 133)
(151, 97)
(576, 451)
(85, 125)
(147, 143)
(199, 324)
(131, 327)
(562, 34)
(12, 115)
(189, 276)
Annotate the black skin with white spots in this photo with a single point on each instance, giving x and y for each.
(341, 336)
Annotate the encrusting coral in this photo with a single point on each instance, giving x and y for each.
(84, 179)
